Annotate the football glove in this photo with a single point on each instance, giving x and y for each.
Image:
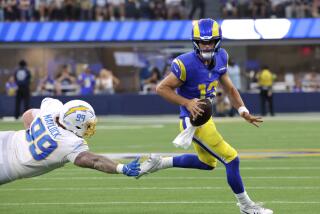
(132, 168)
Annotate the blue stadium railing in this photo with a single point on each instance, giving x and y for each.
(154, 30)
(133, 104)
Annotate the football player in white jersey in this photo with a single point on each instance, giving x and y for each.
(54, 136)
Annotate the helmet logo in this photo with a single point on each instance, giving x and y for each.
(76, 108)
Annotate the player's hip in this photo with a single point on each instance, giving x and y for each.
(207, 132)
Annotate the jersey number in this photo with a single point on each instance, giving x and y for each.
(204, 89)
(41, 144)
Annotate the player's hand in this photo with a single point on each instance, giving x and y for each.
(256, 121)
(132, 168)
(193, 107)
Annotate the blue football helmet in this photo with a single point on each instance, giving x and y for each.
(206, 30)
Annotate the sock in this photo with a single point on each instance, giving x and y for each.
(233, 176)
(166, 162)
(190, 161)
(244, 199)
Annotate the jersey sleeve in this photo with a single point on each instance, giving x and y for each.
(224, 61)
(80, 146)
(50, 105)
(178, 69)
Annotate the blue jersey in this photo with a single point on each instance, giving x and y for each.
(87, 82)
(199, 81)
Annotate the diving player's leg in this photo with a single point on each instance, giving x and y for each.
(209, 139)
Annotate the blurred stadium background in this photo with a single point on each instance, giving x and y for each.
(125, 47)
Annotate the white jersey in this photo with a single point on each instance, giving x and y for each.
(43, 147)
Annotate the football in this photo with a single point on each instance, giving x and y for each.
(206, 115)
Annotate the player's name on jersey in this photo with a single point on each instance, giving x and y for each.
(51, 125)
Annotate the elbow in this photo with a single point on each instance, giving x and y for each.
(159, 89)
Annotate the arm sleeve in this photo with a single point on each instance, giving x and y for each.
(179, 69)
(81, 146)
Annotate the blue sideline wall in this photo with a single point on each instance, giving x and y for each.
(132, 104)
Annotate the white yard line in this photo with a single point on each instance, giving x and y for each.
(147, 202)
(175, 118)
(179, 178)
(127, 127)
(259, 168)
(158, 188)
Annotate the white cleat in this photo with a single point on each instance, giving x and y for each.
(150, 165)
(256, 208)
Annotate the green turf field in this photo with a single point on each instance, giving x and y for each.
(288, 181)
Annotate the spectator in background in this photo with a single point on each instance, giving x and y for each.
(197, 4)
(101, 11)
(259, 8)
(265, 81)
(41, 10)
(106, 82)
(316, 8)
(145, 9)
(87, 81)
(150, 84)
(22, 77)
(116, 7)
(229, 8)
(11, 10)
(65, 82)
(2, 5)
(69, 8)
(25, 9)
(56, 10)
(234, 73)
(46, 86)
(298, 9)
(298, 85)
(243, 8)
(222, 105)
(175, 9)
(11, 86)
(159, 9)
(85, 10)
(132, 9)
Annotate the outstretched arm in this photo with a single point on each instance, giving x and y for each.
(104, 164)
(28, 117)
(237, 102)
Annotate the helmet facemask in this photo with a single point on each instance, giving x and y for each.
(90, 128)
(207, 54)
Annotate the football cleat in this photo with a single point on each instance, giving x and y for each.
(256, 208)
(152, 164)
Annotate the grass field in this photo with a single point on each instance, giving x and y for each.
(280, 166)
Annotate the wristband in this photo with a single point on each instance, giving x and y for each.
(242, 109)
(120, 168)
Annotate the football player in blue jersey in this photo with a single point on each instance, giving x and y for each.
(195, 75)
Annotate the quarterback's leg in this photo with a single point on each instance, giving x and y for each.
(156, 162)
(208, 138)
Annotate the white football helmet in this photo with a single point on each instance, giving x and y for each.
(78, 117)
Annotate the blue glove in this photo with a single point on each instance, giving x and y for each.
(132, 168)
